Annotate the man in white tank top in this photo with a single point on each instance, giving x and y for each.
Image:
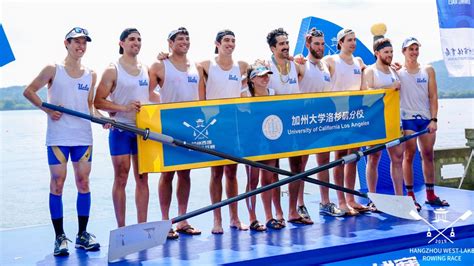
(419, 110)
(223, 79)
(380, 76)
(177, 80)
(346, 74)
(70, 84)
(316, 78)
(285, 81)
(124, 87)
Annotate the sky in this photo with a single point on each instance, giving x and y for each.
(36, 29)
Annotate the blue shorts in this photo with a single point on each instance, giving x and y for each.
(122, 142)
(60, 154)
(415, 124)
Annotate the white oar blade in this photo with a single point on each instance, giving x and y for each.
(466, 215)
(398, 206)
(133, 238)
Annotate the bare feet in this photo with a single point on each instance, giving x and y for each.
(239, 225)
(358, 207)
(348, 210)
(217, 229)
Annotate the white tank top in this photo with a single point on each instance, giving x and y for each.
(383, 80)
(179, 86)
(315, 80)
(71, 93)
(223, 83)
(414, 99)
(130, 88)
(346, 77)
(284, 84)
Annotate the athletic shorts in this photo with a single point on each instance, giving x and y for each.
(122, 142)
(60, 154)
(415, 124)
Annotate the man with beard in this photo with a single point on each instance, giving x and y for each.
(177, 79)
(346, 75)
(419, 109)
(316, 78)
(379, 76)
(285, 81)
(223, 79)
(121, 92)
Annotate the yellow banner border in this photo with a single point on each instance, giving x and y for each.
(391, 113)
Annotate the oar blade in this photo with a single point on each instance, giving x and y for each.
(398, 206)
(134, 238)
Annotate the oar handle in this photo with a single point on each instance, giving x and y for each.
(145, 133)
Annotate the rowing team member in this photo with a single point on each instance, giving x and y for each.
(127, 84)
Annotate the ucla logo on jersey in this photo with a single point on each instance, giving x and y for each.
(233, 77)
(192, 79)
(292, 80)
(356, 71)
(143, 82)
(327, 78)
(421, 80)
(82, 87)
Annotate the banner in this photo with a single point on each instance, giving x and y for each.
(456, 27)
(6, 53)
(330, 30)
(267, 127)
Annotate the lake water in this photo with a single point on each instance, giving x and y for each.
(24, 179)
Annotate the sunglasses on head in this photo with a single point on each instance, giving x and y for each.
(78, 30)
(257, 71)
(315, 33)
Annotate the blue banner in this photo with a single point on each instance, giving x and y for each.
(267, 127)
(6, 53)
(330, 30)
(456, 23)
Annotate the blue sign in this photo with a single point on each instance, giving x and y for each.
(268, 127)
(330, 31)
(6, 53)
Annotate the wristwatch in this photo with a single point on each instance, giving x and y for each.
(434, 119)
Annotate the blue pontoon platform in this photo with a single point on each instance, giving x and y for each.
(364, 240)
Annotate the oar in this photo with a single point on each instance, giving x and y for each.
(383, 204)
(141, 243)
(398, 206)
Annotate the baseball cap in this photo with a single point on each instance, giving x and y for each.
(342, 33)
(124, 36)
(221, 35)
(77, 32)
(409, 41)
(182, 30)
(260, 71)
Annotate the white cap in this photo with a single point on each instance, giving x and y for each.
(342, 33)
(409, 41)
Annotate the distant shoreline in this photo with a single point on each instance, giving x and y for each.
(28, 106)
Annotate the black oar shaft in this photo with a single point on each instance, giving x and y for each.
(256, 191)
(292, 177)
(346, 159)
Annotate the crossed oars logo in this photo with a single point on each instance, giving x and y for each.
(440, 233)
(199, 133)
